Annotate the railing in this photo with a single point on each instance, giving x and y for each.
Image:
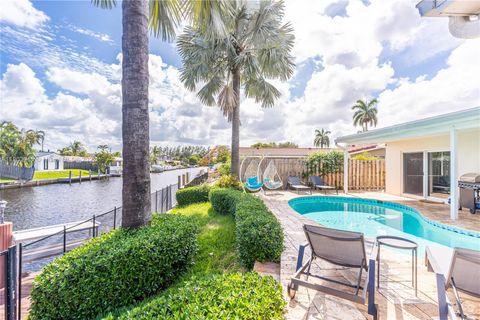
(9, 283)
(58, 243)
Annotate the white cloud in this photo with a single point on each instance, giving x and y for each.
(21, 13)
(97, 35)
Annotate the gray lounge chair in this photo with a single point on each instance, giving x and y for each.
(318, 183)
(341, 248)
(458, 269)
(295, 183)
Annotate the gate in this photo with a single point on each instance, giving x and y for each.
(8, 264)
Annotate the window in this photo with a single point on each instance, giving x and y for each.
(45, 164)
(439, 174)
(57, 164)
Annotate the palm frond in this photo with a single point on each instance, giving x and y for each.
(211, 17)
(262, 91)
(104, 4)
(165, 17)
(210, 90)
(227, 101)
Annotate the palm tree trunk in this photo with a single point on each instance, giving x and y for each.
(135, 122)
(235, 167)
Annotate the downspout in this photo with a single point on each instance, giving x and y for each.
(345, 166)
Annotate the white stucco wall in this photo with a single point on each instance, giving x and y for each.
(51, 162)
(468, 155)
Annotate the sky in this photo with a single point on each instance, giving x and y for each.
(60, 71)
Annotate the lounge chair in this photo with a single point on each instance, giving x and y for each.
(253, 185)
(295, 183)
(458, 269)
(318, 183)
(341, 248)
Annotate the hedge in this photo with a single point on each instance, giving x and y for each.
(116, 269)
(192, 195)
(258, 233)
(224, 297)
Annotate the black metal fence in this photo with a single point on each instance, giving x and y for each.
(32, 256)
(16, 172)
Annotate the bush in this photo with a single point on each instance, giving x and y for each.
(225, 169)
(227, 296)
(229, 181)
(114, 270)
(191, 195)
(258, 233)
(223, 200)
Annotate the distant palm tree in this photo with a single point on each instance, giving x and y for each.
(365, 114)
(41, 133)
(322, 138)
(76, 147)
(163, 17)
(256, 48)
(155, 153)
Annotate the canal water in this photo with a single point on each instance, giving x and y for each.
(33, 207)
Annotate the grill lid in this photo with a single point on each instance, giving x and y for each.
(470, 177)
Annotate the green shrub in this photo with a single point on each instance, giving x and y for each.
(229, 181)
(258, 233)
(225, 169)
(227, 296)
(223, 200)
(191, 195)
(116, 269)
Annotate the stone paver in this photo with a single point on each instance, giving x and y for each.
(395, 297)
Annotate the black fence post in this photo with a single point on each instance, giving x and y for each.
(11, 284)
(156, 201)
(64, 239)
(114, 217)
(20, 266)
(93, 230)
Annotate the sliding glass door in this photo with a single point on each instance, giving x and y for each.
(413, 173)
(439, 174)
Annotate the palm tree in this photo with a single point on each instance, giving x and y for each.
(322, 138)
(155, 153)
(366, 114)
(163, 17)
(41, 134)
(76, 147)
(256, 47)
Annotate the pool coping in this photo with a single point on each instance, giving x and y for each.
(390, 205)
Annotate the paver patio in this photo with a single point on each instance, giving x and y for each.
(395, 297)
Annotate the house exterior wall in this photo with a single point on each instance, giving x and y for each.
(39, 162)
(468, 155)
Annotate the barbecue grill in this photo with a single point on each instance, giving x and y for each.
(469, 185)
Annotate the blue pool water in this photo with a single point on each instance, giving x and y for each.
(375, 218)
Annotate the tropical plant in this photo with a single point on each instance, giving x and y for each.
(155, 153)
(163, 17)
(365, 114)
(103, 158)
(286, 144)
(324, 163)
(256, 47)
(41, 134)
(229, 181)
(17, 145)
(322, 138)
(365, 156)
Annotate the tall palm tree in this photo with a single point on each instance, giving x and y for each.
(163, 17)
(322, 138)
(255, 48)
(365, 114)
(76, 147)
(155, 153)
(41, 133)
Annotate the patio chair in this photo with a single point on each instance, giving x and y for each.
(318, 183)
(341, 248)
(295, 183)
(458, 269)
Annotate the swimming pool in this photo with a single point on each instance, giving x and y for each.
(375, 218)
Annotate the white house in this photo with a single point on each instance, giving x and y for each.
(48, 161)
(425, 158)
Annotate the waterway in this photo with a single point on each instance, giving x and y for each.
(33, 207)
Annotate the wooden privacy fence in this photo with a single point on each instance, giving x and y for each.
(362, 174)
(15, 172)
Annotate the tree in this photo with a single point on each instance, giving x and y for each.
(41, 133)
(256, 47)
(103, 158)
(365, 114)
(164, 17)
(17, 145)
(155, 153)
(287, 144)
(322, 138)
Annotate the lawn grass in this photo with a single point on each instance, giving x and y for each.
(4, 180)
(41, 175)
(216, 241)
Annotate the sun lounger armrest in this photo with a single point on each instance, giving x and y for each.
(370, 281)
(301, 253)
(444, 305)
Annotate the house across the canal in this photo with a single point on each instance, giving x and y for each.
(48, 161)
